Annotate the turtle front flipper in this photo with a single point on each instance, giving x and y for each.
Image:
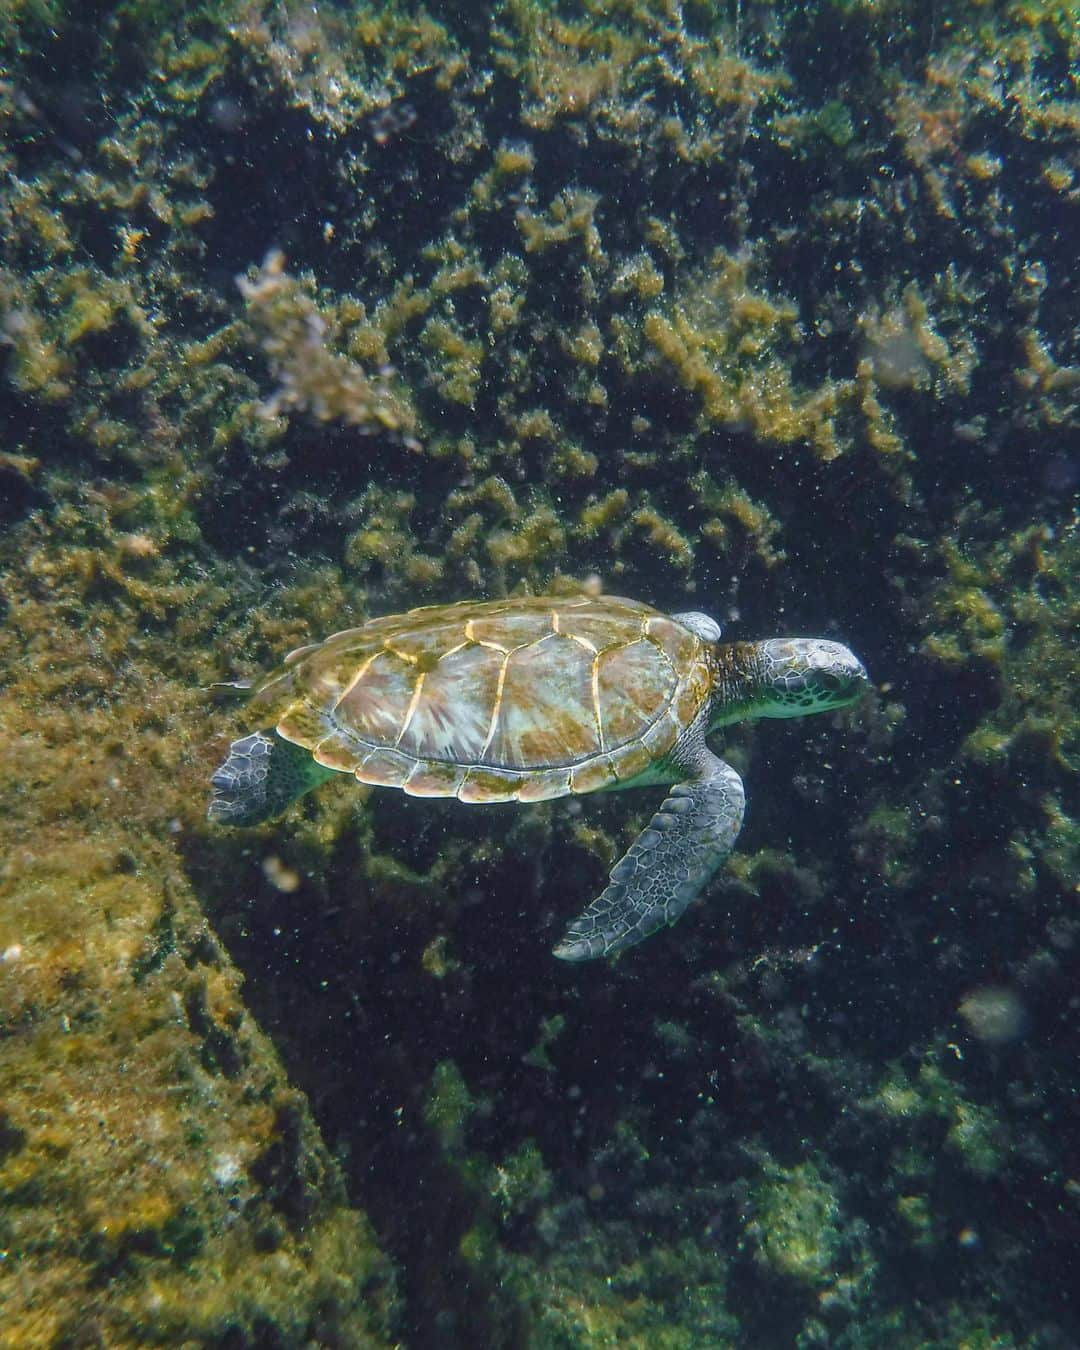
(261, 776)
(666, 865)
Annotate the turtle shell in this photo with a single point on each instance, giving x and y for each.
(520, 699)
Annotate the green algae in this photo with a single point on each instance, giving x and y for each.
(145, 1113)
(449, 1106)
(797, 1228)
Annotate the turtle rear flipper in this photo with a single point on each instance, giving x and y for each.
(261, 776)
(665, 866)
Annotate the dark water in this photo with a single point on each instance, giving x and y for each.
(313, 314)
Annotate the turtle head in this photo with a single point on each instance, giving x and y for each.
(807, 675)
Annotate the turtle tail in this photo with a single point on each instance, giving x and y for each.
(261, 776)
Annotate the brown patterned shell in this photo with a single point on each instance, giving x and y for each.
(494, 701)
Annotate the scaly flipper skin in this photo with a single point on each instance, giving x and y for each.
(666, 865)
(260, 777)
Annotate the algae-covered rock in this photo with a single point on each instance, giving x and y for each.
(161, 1181)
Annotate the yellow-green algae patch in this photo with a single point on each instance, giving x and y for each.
(724, 340)
(159, 1177)
(932, 1100)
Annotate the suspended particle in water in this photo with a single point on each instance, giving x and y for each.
(282, 877)
(994, 1014)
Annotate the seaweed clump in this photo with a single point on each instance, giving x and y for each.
(313, 379)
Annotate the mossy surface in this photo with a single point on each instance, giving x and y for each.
(312, 313)
(161, 1181)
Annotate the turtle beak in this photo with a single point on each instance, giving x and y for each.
(858, 682)
(845, 685)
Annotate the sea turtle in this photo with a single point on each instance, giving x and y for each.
(531, 698)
